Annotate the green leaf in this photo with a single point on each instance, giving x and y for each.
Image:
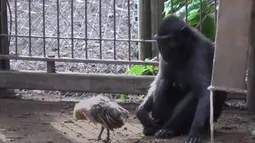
(123, 96)
(141, 98)
(208, 28)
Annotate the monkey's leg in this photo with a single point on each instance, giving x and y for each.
(143, 110)
(181, 119)
(167, 98)
(219, 102)
(100, 134)
(202, 114)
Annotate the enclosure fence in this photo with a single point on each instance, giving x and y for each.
(60, 45)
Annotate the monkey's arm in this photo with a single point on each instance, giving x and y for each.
(143, 110)
(147, 105)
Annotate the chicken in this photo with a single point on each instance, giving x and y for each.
(102, 110)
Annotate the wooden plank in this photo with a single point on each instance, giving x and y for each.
(75, 82)
(157, 6)
(4, 43)
(232, 42)
(80, 82)
(51, 66)
(251, 65)
(144, 29)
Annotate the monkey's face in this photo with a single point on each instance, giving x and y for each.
(170, 46)
(173, 43)
(173, 38)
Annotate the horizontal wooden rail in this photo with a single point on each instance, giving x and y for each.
(78, 82)
(75, 82)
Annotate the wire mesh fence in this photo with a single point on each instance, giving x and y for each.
(82, 35)
(79, 30)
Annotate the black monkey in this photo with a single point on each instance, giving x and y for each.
(178, 99)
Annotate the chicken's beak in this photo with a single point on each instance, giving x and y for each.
(84, 115)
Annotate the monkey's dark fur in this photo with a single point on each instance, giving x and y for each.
(178, 99)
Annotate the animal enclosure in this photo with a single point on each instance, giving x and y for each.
(73, 44)
(88, 46)
(78, 44)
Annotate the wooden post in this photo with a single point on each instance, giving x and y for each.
(144, 19)
(4, 44)
(4, 64)
(251, 64)
(157, 8)
(51, 66)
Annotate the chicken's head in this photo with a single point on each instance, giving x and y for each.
(80, 112)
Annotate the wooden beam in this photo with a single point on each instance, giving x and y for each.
(78, 82)
(232, 42)
(4, 43)
(157, 7)
(75, 82)
(251, 64)
(144, 29)
(51, 66)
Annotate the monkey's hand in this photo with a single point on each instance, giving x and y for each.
(193, 139)
(164, 133)
(151, 130)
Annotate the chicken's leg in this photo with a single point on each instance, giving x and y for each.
(100, 134)
(108, 135)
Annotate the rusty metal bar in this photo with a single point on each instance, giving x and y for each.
(186, 10)
(100, 29)
(129, 31)
(44, 40)
(77, 60)
(80, 38)
(72, 40)
(30, 28)
(86, 28)
(58, 32)
(114, 29)
(172, 7)
(16, 28)
(200, 16)
(215, 14)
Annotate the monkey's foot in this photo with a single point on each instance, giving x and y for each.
(149, 131)
(164, 133)
(191, 139)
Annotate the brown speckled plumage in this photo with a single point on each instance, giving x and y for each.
(102, 110)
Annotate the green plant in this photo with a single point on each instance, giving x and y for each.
(195, 8)
(139, 70)
(141, 98)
